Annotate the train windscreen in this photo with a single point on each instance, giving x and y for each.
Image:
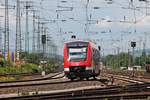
(77, 54)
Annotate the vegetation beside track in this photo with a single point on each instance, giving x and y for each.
(25, 68)
(12, 69)
(6, 79)
(124, 60)
(29, 63)
(36, 58)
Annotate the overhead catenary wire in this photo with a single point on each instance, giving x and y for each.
(62, 16)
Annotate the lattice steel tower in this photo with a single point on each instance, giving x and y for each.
(18, 31)
(6, 31)
(27, 6)
(38, 36)
(33, 41)
(1, 46)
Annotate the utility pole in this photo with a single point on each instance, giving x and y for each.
(55, 52)
(144, 46)
(6, 32)
(118, 53)
(87, 19)
(144, 51)
(133, 45)
(18, 31)
(38, 35)
(129, 59)
(27, 33)
(27, 6)
(33, 41)
(140, 41)
(147, 8)
(44, 40)
(42, 33)
(1, 46)
(121, 40)
(44, 45)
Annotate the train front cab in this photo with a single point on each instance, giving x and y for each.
(82, 69)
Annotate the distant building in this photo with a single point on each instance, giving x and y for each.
(134, 67)
(130, 68)
(123, 68)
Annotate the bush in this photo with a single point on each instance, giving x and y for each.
(31, 57)
(30, 68)
(25, 68)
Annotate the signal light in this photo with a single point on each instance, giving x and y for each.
(133, 44)
(73, 36)
(43, 39)
(99, 48)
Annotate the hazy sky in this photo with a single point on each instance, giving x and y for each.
(115, 24)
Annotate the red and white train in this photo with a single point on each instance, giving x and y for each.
(81, 60)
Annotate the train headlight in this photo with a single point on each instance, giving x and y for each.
(68, 59)
(89, 68)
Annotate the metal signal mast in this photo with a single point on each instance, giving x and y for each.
(18, 31)
(33, 41)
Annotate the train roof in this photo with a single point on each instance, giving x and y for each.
(84, 41)
(77, 41)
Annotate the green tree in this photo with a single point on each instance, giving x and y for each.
(117, 61)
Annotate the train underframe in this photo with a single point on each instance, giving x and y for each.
(81, 72)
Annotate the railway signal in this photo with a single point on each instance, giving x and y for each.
(43, 43)
(99, 48)
(73, 37)
(43, 39)
(133, 45)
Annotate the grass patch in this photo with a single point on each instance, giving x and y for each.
(5, 79)
(25, 68)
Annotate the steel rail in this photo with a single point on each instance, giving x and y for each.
(128, 73)
(8, 84)
(40, 83)
(20, 74)
(125, 78)
(134, 91)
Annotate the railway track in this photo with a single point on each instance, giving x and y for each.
(31, 82)
(134, 91)
(50, 76)
(19, 74)
(48, 86)
(126, 78)
(39, 85)
(47, 81)
(136, 74)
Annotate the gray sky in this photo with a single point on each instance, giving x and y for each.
(112, 26)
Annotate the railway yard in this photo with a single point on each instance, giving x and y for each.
(56, 86)
(74, 50)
